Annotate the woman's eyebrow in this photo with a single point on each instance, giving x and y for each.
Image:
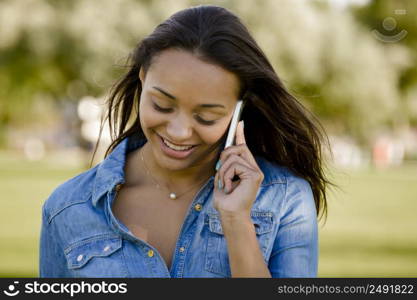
(174, 98)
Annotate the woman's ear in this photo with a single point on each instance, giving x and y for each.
(141, 75)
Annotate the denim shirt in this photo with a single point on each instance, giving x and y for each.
(81, 237)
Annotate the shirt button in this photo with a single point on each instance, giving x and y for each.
(107, 248)
(150, 253)
(182, 249)
(198, 207)
(80, 257)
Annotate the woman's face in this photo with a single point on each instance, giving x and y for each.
(185, 102)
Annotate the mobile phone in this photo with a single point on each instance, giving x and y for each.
(232, 128)
(233, 124)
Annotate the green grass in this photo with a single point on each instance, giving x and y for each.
(24, 187)
(371, 229)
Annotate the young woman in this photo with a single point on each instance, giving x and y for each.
(168, 200)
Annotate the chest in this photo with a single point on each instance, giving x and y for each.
(152, 217)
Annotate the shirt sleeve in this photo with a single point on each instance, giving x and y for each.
(52, 262)
(295, 249)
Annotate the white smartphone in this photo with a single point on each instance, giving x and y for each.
(232, 128)
(233, 125)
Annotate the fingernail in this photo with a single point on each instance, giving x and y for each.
(220, 184)
(218, 165)
(226, 190)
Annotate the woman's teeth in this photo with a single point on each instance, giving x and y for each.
(177, 148)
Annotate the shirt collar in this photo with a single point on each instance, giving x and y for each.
(110, 171)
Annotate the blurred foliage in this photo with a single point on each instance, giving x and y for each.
(63, 50)
(404, 12)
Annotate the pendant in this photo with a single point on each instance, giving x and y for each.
(172, 196)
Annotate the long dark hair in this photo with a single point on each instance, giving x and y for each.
(277, 126)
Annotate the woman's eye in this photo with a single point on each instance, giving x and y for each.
(161, 109)
(168, 110)
(204, 122)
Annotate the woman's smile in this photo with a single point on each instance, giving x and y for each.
(175, 151)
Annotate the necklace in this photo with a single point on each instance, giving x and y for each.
(172, 195)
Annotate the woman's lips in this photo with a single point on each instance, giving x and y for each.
(174, 153)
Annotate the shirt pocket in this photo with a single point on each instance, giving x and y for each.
(100, 256)
(217, 258)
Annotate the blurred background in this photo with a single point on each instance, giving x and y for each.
(353, 63)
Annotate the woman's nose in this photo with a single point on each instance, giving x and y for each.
(179, 129)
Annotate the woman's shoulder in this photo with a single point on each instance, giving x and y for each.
(275, 173)
(77, 189)
(291, 188)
